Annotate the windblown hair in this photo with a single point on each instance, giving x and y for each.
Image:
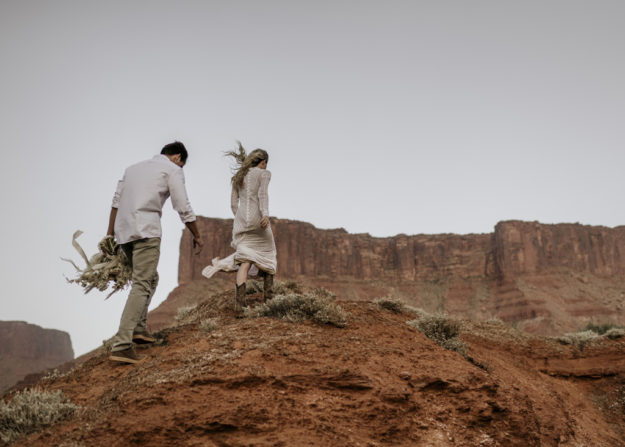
(244, 162)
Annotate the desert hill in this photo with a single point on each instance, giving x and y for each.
(27, 348)
(544, 279)
(510, 378)
(214, 380)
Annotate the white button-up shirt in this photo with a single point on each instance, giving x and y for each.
(141, 194)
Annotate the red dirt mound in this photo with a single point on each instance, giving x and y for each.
(220, 381)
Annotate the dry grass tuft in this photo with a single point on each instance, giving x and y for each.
(394, 305)
(279, 287)
(415, 310)
(316, 305)
(441, 329)
(209, 325)
(32, 410)
(495, 321)
(185, 314)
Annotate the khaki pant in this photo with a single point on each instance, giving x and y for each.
(143, 255)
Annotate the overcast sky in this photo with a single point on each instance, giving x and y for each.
(383, 117)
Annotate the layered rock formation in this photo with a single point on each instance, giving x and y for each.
(306, 251)
(533, 248)
(544, 278)
(27, 348)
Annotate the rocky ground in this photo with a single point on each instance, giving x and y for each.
(215, 380)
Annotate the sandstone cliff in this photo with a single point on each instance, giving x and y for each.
(27, 348)
(533, 248)
(546, 279)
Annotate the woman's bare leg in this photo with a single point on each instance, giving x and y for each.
(244, 268)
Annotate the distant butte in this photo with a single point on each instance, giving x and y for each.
(27, 348)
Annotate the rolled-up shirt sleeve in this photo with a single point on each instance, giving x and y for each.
(263, 193)
(179, 198)
(118, 193)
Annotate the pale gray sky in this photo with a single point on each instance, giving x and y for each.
(383, 117)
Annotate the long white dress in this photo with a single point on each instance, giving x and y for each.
(251, 242)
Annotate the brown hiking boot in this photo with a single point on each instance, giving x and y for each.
(128, 355)
(267, 287)
(239, 299)
(142, 338)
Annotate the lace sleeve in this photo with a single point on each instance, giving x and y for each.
(263, 194)
(234, 200)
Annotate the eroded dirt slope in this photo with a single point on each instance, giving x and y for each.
(377, 381)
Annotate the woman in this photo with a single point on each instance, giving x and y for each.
(252, 237)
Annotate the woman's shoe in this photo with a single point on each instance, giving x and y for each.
(239, 299)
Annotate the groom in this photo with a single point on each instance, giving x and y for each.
(135, 222)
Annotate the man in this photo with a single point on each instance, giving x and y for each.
(135, 222)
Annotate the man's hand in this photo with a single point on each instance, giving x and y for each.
(197, 245)
(264, 222)
(197, 239)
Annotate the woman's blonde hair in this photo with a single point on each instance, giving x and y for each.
(244, 162)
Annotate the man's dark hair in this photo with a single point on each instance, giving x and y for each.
(176, 148)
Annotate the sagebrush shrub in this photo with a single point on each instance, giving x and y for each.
(600, 328)
(184, 314)
(615, 333)
(441, 329)
(579, 339)
(279, 287)
(393, 304)
(592, 333)
(31, 410)
(253, 286)
(316, 305)
(209, 325)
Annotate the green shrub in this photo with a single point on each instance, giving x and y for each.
(614, 333)
(591, 333)
(392, 304)
(30, 411)
(600, 328)
(441, 329)
(579, 339)
(316, 305)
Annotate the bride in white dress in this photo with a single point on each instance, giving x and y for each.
(252, 237)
